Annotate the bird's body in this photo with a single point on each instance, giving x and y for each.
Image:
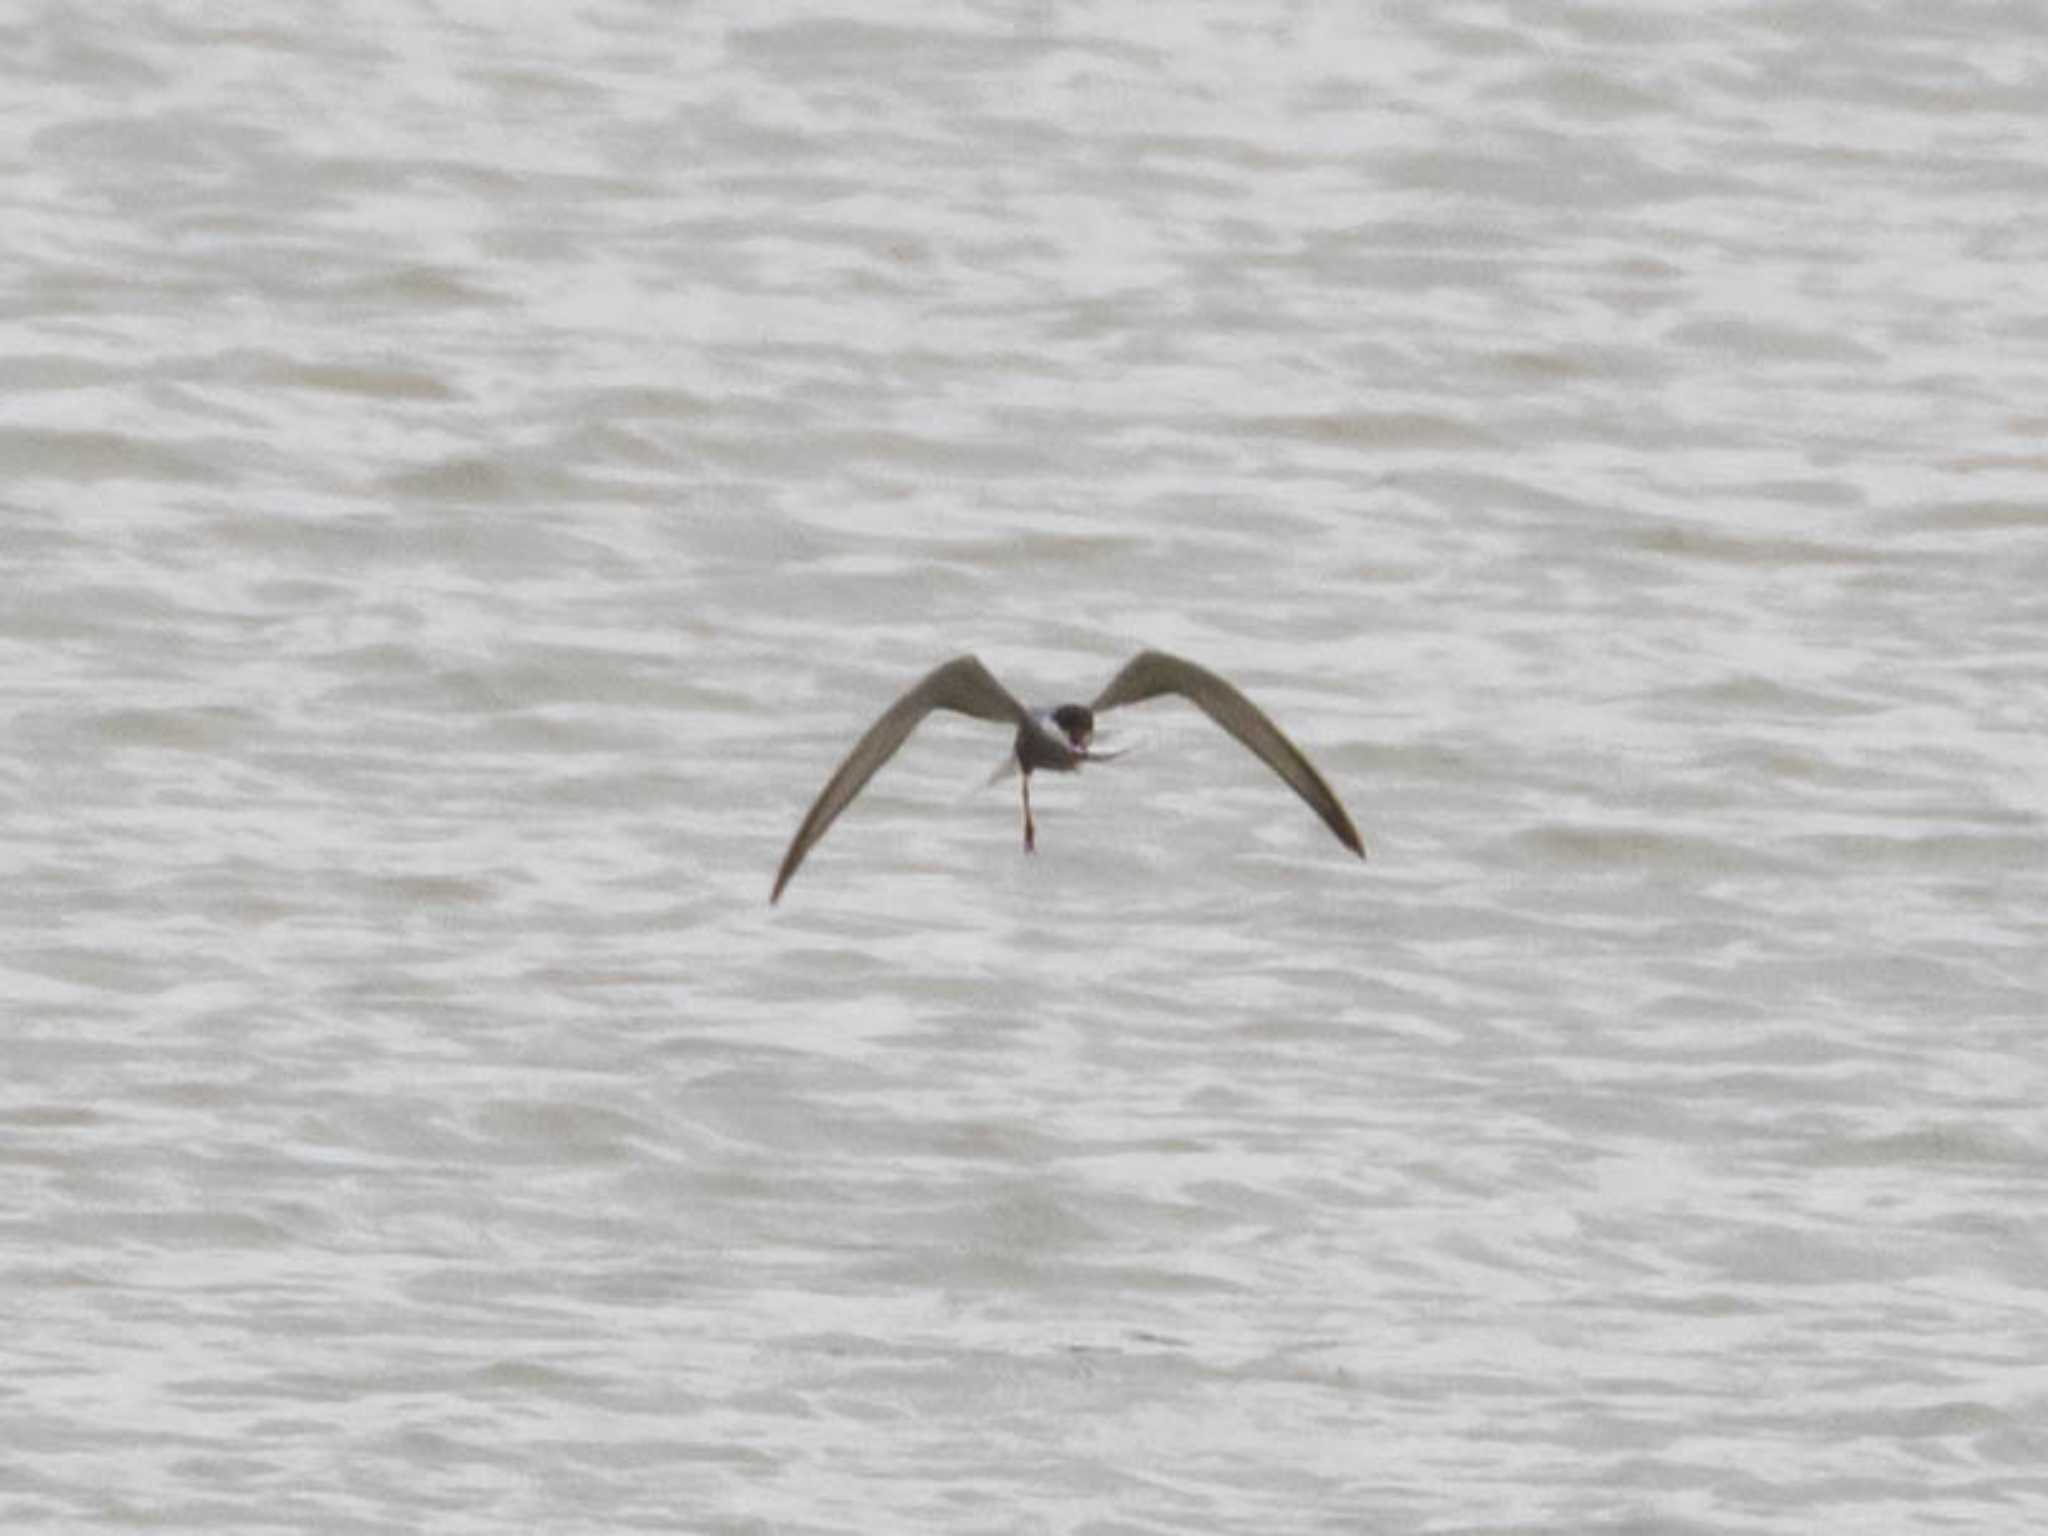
(1056, 740)
(1060, 740)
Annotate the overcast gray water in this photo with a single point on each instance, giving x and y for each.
(471, 470)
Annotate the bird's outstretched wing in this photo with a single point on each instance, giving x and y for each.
(962, 684)
(1149, 674)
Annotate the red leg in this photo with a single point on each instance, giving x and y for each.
(1030, 831)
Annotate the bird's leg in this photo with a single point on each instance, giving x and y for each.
(1030, 831)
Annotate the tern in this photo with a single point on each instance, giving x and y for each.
(1060, 740)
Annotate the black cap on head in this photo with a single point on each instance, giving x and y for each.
(1077, 721)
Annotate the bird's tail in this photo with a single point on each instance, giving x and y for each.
(1123, 745)
(1119, 746)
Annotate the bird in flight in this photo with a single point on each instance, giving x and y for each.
(1059, 740)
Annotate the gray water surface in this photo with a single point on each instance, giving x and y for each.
(471, 471)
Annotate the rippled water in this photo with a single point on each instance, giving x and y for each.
(470, 473)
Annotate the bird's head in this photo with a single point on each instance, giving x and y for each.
(1076, 723)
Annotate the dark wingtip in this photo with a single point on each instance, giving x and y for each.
(1347, 834)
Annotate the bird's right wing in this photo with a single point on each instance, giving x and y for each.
(1149, 674)
(963, 685)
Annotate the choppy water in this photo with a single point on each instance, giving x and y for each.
(470, 471)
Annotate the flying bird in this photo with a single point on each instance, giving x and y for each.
(1059, 740)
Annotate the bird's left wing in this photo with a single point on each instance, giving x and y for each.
(963, 685)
